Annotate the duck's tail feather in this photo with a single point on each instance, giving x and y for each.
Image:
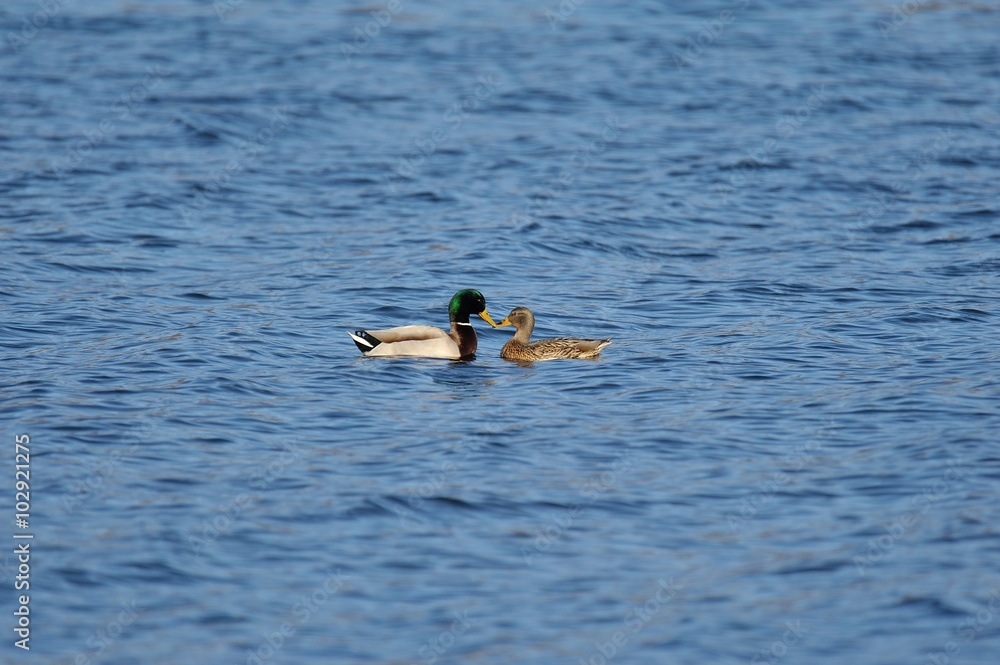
(363, 340)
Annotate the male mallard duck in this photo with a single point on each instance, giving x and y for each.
(428, 341)
(519, 348)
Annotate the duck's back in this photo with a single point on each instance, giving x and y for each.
(552, 349)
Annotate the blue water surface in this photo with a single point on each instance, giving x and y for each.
(786, 216)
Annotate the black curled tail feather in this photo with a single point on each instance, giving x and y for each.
(364, 341)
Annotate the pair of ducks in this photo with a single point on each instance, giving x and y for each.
(460, 342)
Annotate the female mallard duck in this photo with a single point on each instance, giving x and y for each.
(519, 348)
(428, 341)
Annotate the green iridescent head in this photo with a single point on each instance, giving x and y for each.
(465, 303)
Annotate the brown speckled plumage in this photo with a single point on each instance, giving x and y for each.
(519, 348)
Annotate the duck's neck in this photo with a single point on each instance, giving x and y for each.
(465, 335)
(523, 333)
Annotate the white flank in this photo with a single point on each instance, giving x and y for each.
(421, 341)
